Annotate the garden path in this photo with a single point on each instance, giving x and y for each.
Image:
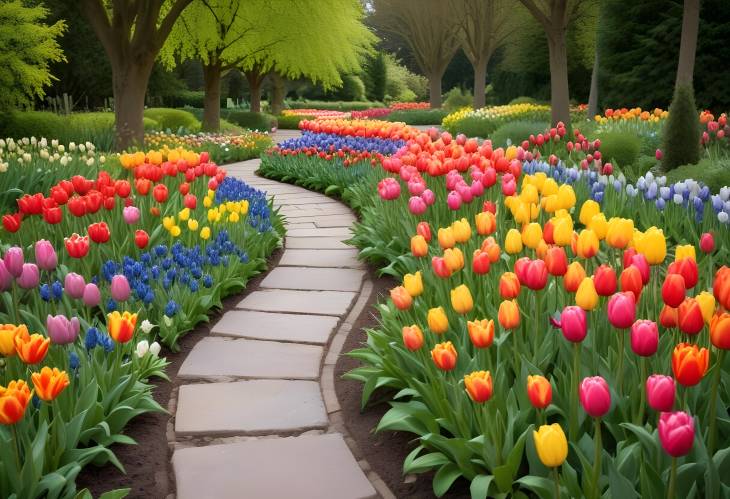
(258, 416)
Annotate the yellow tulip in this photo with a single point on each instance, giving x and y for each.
(213, 214)
(413, 284)
(168, 222)
(562, 230)
(205, 233)
(437, 320)
(521, 212)
(529, 194)
(446, 238)
(652, 245)
(532, 235)
(513, 242)
(233, 217)
(599, 225)
(684, 251)
(175, 230)
(461, 299)
(244, 207)
(619, 233)
(706, 302)
(454, 259)
(461, 230)
(549, 187)
(586, 297)
(192, 224)
(184, 214)
(589, 209)
(587, 244)
(566, 196)
(207, 202)
(551, 445)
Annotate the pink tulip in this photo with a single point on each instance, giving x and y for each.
(509, 185)
(61, 330)
(452, 180)
(658, 154)
(417, 205)
(29, 277)
(74, 285)
(6, 279)
(644, 338)
(120, 288)
(707, 242)
(389, 188)
(131, 215)
(573, 323)
(477, 188)
(45, 255)
(14, 261)
(92, 295)
(429, 197)
(453, 200)
(416, 188)
(676, 432)
(660, 392)
(622, 310)
(465, 192)
(406, 173)
(489, 178)
(595, 396)
(639, 261)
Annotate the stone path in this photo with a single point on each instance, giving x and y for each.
(259, 417)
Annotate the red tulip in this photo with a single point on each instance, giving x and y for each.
(81, 185)
(556, 261)
(424, 230)
(11, 223)
(99, 232)
(721, 287)
(77, 206)
(52, 215)
(123, 188)
(631, 281)
(143, 186)
(31, 205)
(190, 201)
(644, 338)
(439, 267)
(622, 310)
(687, 268)
(604, 279)
(160, 193)
(689, 316)
(59, 195)
(480, 262)
(673, 290)
(93, 200)
(668, 317)
(77, 246)
(707, 243)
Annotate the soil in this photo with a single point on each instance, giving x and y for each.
(147, 464)
(383, 451)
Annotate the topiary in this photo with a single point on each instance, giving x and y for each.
(517, 131)
(249, 119)
(681, 133)
(621, 148)
(418, 116)
(173, 119)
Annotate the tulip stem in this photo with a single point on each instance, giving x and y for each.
(556, 477)
(597, 459)
(536, 339)
(15, 303)
(642, 405)
(15, 447)
(672, 479)
(620, 377)
(573, 428)
(713, 404)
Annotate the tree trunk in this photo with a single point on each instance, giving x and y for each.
(278, 93)
(212, 99)
(688, 45)
(129, 83)
(559, 93)
(256, 97)
(480, 82)
(434, 85)
(593, 96)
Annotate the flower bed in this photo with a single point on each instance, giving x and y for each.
(222, 148)
(316, 113)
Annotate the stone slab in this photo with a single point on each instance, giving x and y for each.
(276, 327)
(249, 407)
(301, 302)
(320, 258)
(316, 243)
(333, 232)
(217, 357)
(314, 278)
(300, 202)
(334, 222)
(306, 467)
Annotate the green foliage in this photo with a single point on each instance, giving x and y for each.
(352, 89)
(621, 148)
(643, 164)
(418, 116)
(681, 131)
(403, 85)
(714, 173)
(333, 105)
(525, 100)
(186, 98)
(456, 98)
(290, 122)
(228, 127)
(375, 77)
(173, 119)
(517, 131)
(254, 121)
(28, 47)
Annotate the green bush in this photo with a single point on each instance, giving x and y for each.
(524, 100)
(333, 105)
(473, 126)
(248, 119)
(31, 123)
(643, 164)
(456, 98)
(418, 116)
(714, 173)
(185, 98)
(228, 127)
(174, 119)
(620, 148)
(681, 131)
(290, 122)
(517, 131)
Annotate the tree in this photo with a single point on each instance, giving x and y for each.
(430, 30)
(28, 47)
(688, 44)
(483, 26)
(375, 76)
(132, 34)
(681, 135)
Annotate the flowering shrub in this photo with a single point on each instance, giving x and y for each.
(316, 113)
(407, 106)
(374, 113)
(222, 148)
(488, 119)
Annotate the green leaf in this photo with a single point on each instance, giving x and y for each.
(426, 462)
(444, 477)
(479, 487)
(544, 488)
(619, 485)
(115, 494)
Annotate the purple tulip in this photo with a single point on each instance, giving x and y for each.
(14, 261)
(74, 285)
(45, 255)
(120, 288)
(92, 295)
(131, 214)
(29, 277)
(6, 279)
(61, 330)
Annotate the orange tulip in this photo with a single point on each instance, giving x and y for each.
(412, 337)
(479, 386)
(587, 244)
(446, 238)
(486, 223)
(491, 248)
(49, 383)
(631, 281)
(556, 261)
(509, 314)
(444, 356)
(509, 286)
(8, 332)
(121, 326)
(720, 331)
(481, 332)
(689, 363)
(668, 317)
(454, 259)
(540, 391)
(721, 287)
(31, 348)
(419, 246)
(573, 277)
(13, 401)
(401, 298)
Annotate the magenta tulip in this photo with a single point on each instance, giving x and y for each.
(429, 197)
(477, 188)
(676, 432)
(644, 338)
(573, 323)
(6, 279)
(45, 255)
(120, 288)
(14, 261)
(660, 392)
(622, 310)
(61, 330)
(92, 295)
(131, 215)
(389, 188)
(416, 187)
(417, 205)
(595, 396)
(29, 277)
(639, 261)
(74, 285)
(453, 200)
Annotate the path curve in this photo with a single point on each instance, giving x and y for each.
(258, 416)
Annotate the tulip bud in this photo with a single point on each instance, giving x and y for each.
(586, 296)
(419, 246)
(461, 230)
(401, 298)
(587, 246)
(689, 316)
(444, 356)
(424, 230)
(595, 396)
(604, 278)
(481, 332)
(413, 284)
(668, 317)
(720, 331)
(707, 304)
(14, 260)
(721, 286)
(588, 210)
(513, 242)
(461, 299)
(535, 275)
(45, 255)
(478, 386)
(486, 223)
(573, 277)
(120, 289)
(707, 243)
(509, 286)
(454, 259)
(644, 338)
(687, 268)
(539, 391)
(660, 392)
(532, 235)
(446, 238)
(676, 433)
(556, 261)
(551, 445)
(61, 330)
(574, 323)
(631, 281)
(480, 262)
(29, 277)
(509, 314)
(437, 320)
(412, 337)
(91, 295)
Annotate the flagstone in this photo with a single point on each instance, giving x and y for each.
(303, 302)
(313, 278)
(276, 327)
(321, 258)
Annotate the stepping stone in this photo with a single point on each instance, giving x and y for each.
(297, 202)
(315, 243)
(243, 407)
(333, 232)
(306, 467)
(338, 221)
(321, 258)
(217, 357)
(302, 302)
(276, 327)
(314, 278)
(302, 225)
(342, 220)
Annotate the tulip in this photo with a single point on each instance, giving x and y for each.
(120, 289)
(461, 299)
(599, 225)
(532, 235)
(573, 277)
(29, 277)
(639, 261)
(99, 232)
(521, 266)
(45, 255)
(437, 320)
(556, 261)
(444, 356)
(74, 285)
(91, 295)
(479, 386)
(586, 297)
(574, 324)
(562, 230)
(689, 316)
(513, 242)
(687, 268)
(61, 330)
(587, 246)
(707, 243)
(77, 246)
(536, 275)
(707, 304)
(689, 363)
(604, 279)
(622, 310)
(121, 326)
(620, 231)
(461, 230)
(401, 298)
(155, 348)
(412, 337)
(6, 279)
(673, 290)
(720, 330)
(160, 193)
(454, 259)
(14, 260)
(631, 281)
(419, 246)
(486, 223)
(509, 314)
(13, 401)
(481, 332)
(417, 205)
(676, 433)
(453, 200)
(551, 445)
(595, 396)
(589, 209)
(652, 245)
(142, 348)
(49, 383)
(440, 268)
(141, 238)
(644, 338)
(424, 230)
(539, 391)
(668, 317)
(31, 348)
(682, 251)
(720, 288)
(11, 223)
(491, 248)
(446, 238)
(660, 392)
(131, 215)
(509, 286)
(413, 284)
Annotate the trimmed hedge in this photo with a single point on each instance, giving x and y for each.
(334, 105)
(419, 116)
(174, 119)
(714, 173)
(290, 122)
(621, 148)
(517, 131)
(247, 119)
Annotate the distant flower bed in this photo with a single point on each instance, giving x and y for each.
(316, 113)
(406, 106)
(222, 147)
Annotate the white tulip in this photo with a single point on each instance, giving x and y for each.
(155, 349)
(142, 348)
(146, 326)
(72, 146)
